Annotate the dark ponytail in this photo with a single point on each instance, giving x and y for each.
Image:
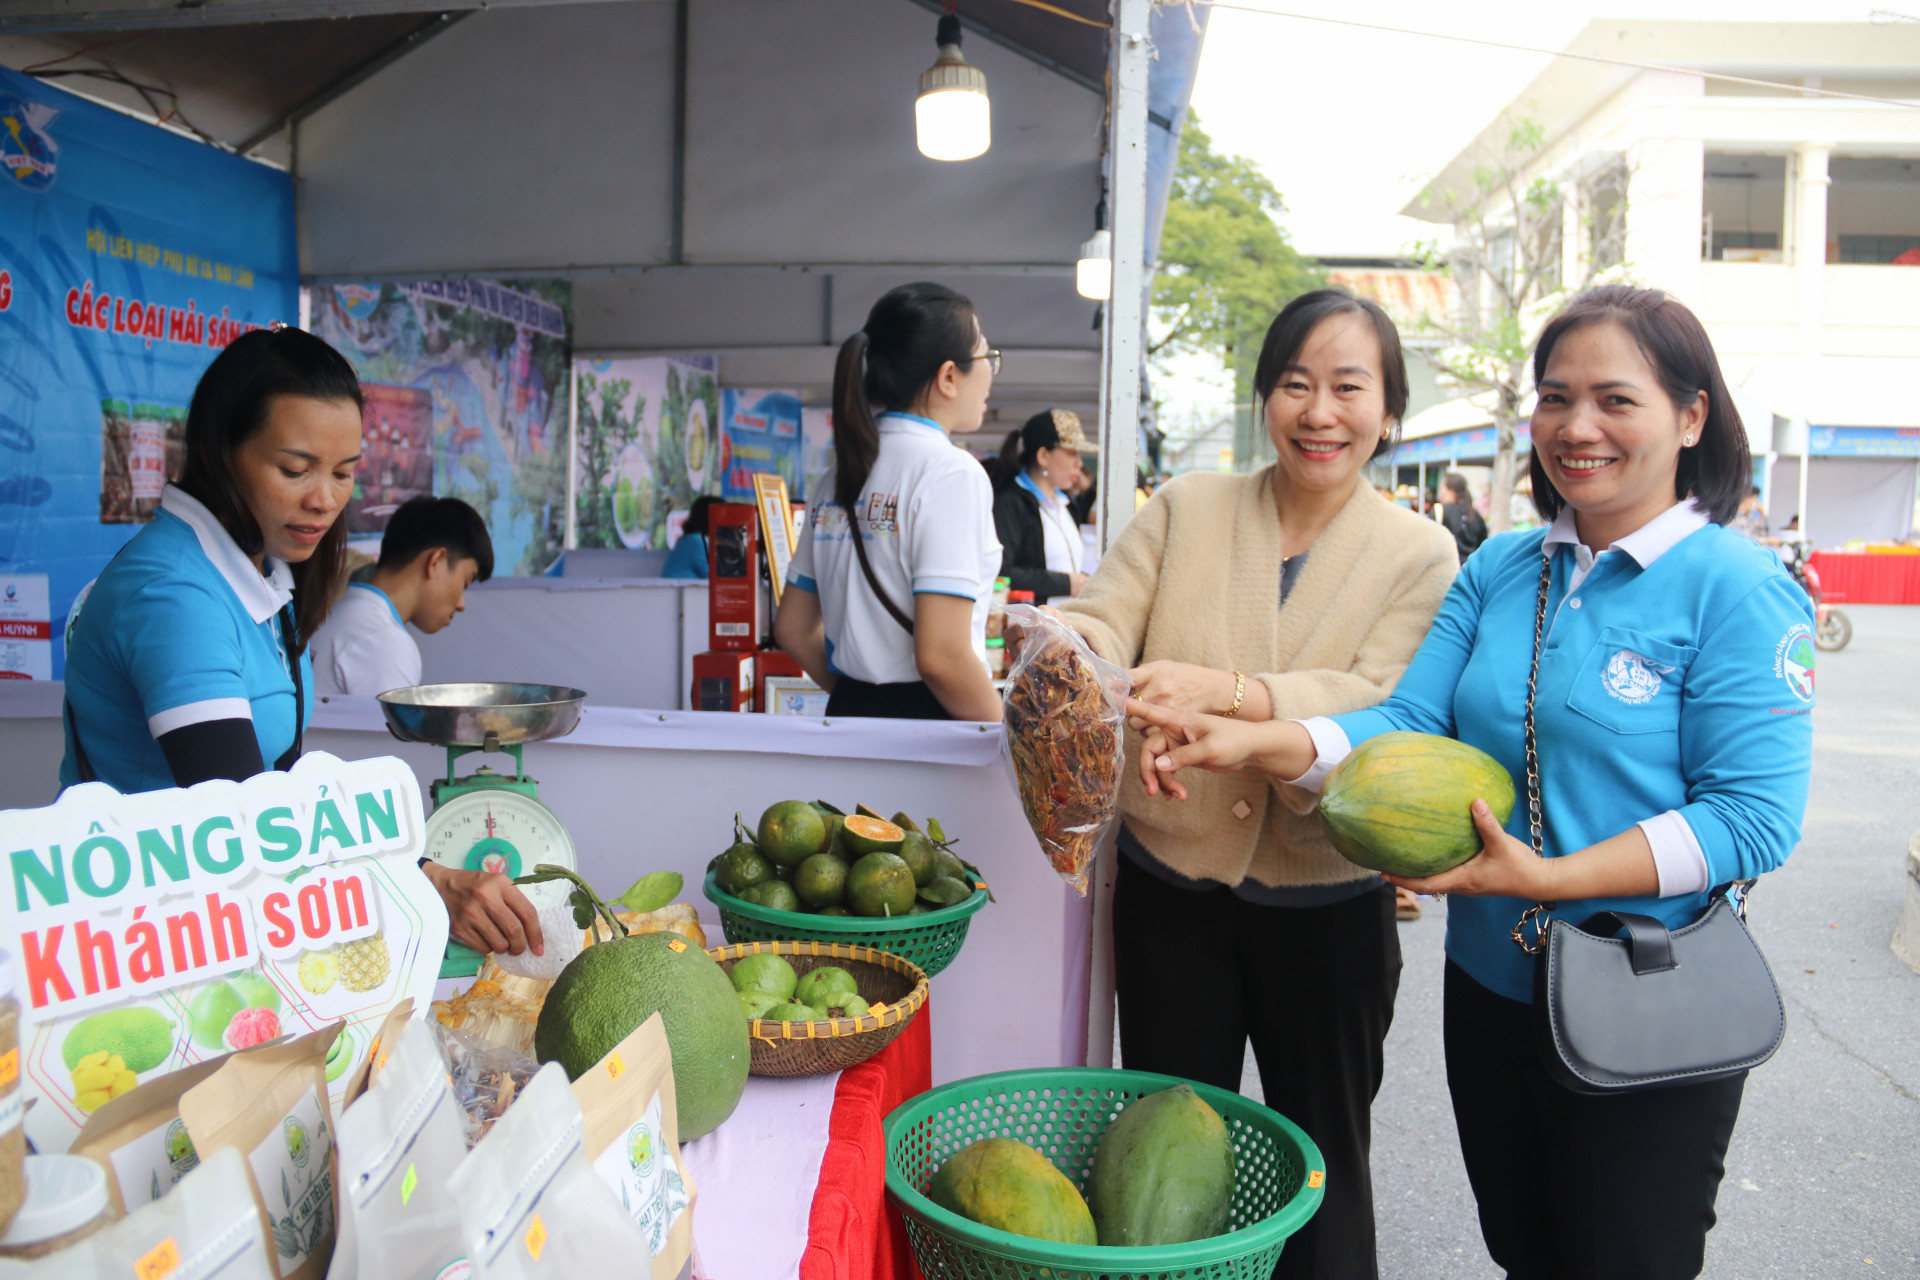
(887, 366)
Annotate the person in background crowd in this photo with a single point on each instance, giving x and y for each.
(1458, 515)
(1296, 590)
(688, 559)
(1039, 537)
(1752, 520)
(1673, 744)
(432, 551)
(888, 592)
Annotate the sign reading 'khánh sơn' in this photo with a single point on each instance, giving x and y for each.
(153, 931)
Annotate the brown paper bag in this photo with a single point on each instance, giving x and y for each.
(633, 1141)
(383, 1042)
(271, 1103)
(140, 1139)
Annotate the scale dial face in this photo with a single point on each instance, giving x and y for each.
(501, 831)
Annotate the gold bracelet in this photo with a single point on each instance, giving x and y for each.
(1239, 695)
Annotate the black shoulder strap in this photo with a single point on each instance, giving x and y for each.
(866, 567)
(287, 632)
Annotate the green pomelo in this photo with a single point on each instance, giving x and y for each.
(880, 884)
(765, 972)
(864, 835)
(825, 981)
(843, 1004)
(1163, 1173)
(1403, 802)
(740, 868)
(142, 1037)
(608, 990)
(209, 1012)
(792, 1011)
(756, 1003)
(790, 832)
(821, 881)
(917, 852)
(1006, 1184)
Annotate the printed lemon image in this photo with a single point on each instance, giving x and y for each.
(318, 972)
(364, 964)
(99, 1077)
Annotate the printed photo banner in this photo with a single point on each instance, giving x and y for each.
(153, 931)
(466, 384)
(129, 256)
(763, 437)
(649, 443)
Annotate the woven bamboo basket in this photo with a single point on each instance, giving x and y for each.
(895, 986)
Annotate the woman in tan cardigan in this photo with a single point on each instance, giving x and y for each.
(1295, 591)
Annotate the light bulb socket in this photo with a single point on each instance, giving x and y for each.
(948, 30)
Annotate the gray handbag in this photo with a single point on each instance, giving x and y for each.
(1657, 1007)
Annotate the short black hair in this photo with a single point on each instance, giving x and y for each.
(1718, 471)
(1298, 319)
(425, 522)
(699, 515)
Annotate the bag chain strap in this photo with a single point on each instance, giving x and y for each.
(1537, 913)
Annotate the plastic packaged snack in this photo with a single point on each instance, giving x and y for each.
(207, 1229)
(531, 1207)
(399, 1144)
(1065, 709)
(271, 1102)
(633, 1141)
(486, 1078)
(66, 1202)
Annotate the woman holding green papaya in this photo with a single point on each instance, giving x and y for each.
(1294, 591)
(1671, 711)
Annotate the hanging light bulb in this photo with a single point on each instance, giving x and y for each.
(1093, 274)
(952, 117)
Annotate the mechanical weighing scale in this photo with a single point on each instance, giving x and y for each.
(489, 821)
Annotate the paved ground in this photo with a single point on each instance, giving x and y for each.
(1823, 1177)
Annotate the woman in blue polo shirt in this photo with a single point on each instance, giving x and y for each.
(1674, 737)
(188, 659)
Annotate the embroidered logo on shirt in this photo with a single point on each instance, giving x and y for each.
(1631, 678)
(1793, 661)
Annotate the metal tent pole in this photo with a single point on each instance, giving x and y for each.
(1123, 350)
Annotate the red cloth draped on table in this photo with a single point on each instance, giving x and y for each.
(854, 1232)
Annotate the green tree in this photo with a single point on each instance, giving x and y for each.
(1523, 244)
(1226, 268)
(605, 429)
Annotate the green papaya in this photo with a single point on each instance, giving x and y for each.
(1163, 1173)
(1004, 1183)
(1403, 802)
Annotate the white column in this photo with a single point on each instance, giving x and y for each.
(1810, 271)
(1123, 331)
(1123, 326)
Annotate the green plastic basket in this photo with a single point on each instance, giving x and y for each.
(1062, 1112)
(930, 941)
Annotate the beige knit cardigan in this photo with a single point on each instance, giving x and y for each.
(1195, 577)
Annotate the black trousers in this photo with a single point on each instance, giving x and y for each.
(1572, 1186)
(911, 700)
(1199, 973)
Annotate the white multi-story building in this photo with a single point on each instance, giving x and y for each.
(1789, 221)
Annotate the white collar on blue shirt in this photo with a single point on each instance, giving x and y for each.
(263, 596)
(1646, 544)
(909, 422)
(387, 600)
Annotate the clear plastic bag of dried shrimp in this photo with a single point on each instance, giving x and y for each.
(1062, 738)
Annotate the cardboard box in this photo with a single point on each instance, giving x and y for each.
(735, 617)
(723, 680)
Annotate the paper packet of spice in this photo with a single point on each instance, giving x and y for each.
(399, 1144)
(271, 1103)
(207, 1229)
(1062, 740)
(531, 1207)
(633, 1141)
(140, 1139)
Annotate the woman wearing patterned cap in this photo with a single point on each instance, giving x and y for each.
(1039, 537)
